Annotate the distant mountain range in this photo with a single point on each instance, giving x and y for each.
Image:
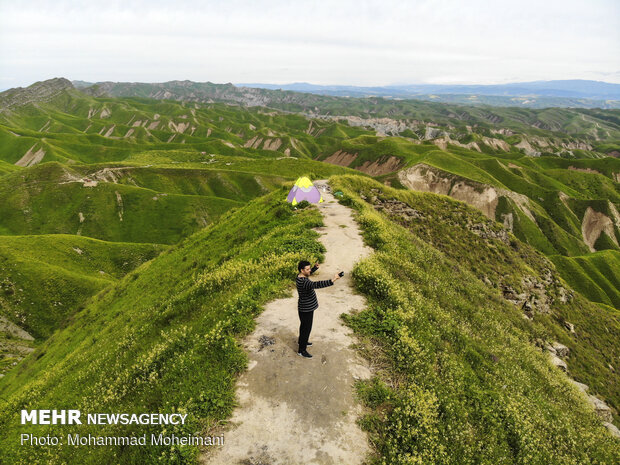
(535, 94)
(576, 88)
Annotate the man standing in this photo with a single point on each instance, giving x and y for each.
(308, 302)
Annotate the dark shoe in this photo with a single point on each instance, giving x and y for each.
(304, 354)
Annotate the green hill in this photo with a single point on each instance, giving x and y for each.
(567, 120)
(164, 338)
(140, 237)
(48, 201)
(596, 276)
(46, 278)
(126, 171)
(561, 207)
(461, 379)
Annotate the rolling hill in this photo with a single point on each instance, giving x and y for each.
(143, 227)
(134, 174)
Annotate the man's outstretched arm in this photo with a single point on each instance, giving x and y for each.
(318, 284)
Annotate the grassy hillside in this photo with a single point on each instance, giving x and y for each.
(133, 202)
(71, 125)
(47, 201)
(460, 379)
(138, 171)
(139, 237)
(596, 276)
(163, 338)
(46, 278)
(430, 319)
(567, 120)
(6, 168)
(142, 170)
(556, 205)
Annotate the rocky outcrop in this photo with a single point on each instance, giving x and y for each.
(537, 296)
(422, 177)
(557, 353)
(527, 148)
(253, 143)
(15, 343)
(497, 144)
(485, 231)
(272, 144)
(178, 127)
(612, 429)
(582, 387)
(383, 165)
(31, 157)
(392, 206)
(576, 145)
(39, 92)
(570, 327)
(341, 158)
(559, 363)
(11, 328)
(601, 409)
(382, 126)
(594, 223)
(559, 349)
(444, 141)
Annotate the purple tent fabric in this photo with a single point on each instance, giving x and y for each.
(304, 190)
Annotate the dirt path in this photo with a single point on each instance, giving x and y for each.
(295, 410)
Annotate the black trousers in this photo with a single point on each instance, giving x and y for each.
(305, 327)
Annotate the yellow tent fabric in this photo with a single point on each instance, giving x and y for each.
(304, 190)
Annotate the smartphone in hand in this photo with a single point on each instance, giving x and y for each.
(341, 274)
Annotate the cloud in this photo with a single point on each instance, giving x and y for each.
(346, 42)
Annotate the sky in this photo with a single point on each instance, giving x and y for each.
(363, 43)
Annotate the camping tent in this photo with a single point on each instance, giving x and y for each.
(304, 190)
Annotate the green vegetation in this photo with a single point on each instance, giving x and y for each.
(131, 225)
(460, 380)
(111, 212)
(133, 173)
(578, 121)
(596, 276)
(46, 278)
(74, 127)
(553, 194)
(164, 337)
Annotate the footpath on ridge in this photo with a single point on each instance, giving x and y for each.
(294, 410)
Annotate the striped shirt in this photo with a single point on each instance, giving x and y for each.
(305, 288)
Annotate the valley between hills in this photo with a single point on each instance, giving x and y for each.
(144, 231)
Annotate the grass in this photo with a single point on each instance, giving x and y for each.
(43, 203)
(165, 337)
(459, 377)
(596, 276)
(47, 278)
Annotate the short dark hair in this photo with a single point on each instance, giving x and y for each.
(302, 264)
